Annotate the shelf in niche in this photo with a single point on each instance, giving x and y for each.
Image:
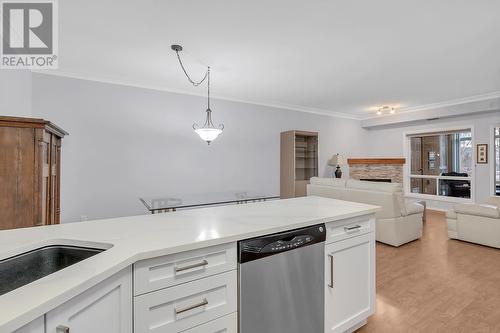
(302, 158)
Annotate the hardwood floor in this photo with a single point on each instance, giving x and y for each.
(436, 285)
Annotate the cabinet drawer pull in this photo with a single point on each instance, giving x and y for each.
(185, 268)
(191, 307)
(62, 329)
(331, 271)
(353, 228)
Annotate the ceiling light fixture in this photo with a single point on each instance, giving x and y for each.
(386, 109)
(208, 132)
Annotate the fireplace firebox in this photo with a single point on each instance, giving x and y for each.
(379, 180)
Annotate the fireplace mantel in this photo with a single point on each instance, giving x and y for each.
(377, 168)
(352, 161)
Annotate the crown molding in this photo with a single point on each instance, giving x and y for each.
(159, 87)
(277, 105)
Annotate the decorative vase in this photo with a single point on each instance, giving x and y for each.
(338, 172)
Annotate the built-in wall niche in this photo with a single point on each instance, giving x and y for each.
(299, 162)
(306, 157)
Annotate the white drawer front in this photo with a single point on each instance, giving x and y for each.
(162, 272)
(226, 324)
(187, 305)
(348, 228)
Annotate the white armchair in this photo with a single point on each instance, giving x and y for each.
(476, 223)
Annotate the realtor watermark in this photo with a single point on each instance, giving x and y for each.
(29, 31)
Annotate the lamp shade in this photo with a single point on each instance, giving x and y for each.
(208, 134)
(336, 159)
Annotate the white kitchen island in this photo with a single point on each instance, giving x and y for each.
(155, 268)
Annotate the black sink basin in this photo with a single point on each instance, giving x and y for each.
(27, 267)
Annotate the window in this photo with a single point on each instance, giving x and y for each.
(497, 160)
(441, 164)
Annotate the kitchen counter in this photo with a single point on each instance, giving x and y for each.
(130, 239)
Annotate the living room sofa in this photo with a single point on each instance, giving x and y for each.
(397, 222)
(476, 223)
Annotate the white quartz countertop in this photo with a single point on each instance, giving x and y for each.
(140, 237)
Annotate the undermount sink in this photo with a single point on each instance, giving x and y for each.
(27, 267)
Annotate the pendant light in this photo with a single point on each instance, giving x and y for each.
(208, 132)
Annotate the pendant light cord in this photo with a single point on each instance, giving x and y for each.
(194, 83)
(208, 87)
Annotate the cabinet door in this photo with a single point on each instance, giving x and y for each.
(55, 170)
(350, 282)
(106, 307)
(43, 173)
(16, 177)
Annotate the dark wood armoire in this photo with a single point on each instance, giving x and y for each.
(30, 169)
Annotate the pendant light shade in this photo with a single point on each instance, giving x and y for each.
(208, 132)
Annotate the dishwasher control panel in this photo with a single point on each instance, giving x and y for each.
(260, 247)
(285, 245)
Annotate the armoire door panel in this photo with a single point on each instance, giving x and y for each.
(44, 146)
(57, 182)
(16, 177)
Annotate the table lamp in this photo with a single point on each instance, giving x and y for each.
(336, 161)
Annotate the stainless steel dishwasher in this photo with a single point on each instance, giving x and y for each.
(281, 282)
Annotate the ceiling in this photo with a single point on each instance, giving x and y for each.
(324, 56)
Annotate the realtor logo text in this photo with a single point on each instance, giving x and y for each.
(29, 35)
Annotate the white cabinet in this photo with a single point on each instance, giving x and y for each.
(350, 282)
(106, 307)
(36, 326)
(187, 305)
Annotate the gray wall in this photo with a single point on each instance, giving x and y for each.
(129, 142)
(15, 93)
(389, 141)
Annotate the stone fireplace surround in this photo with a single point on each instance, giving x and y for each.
(377, 168)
